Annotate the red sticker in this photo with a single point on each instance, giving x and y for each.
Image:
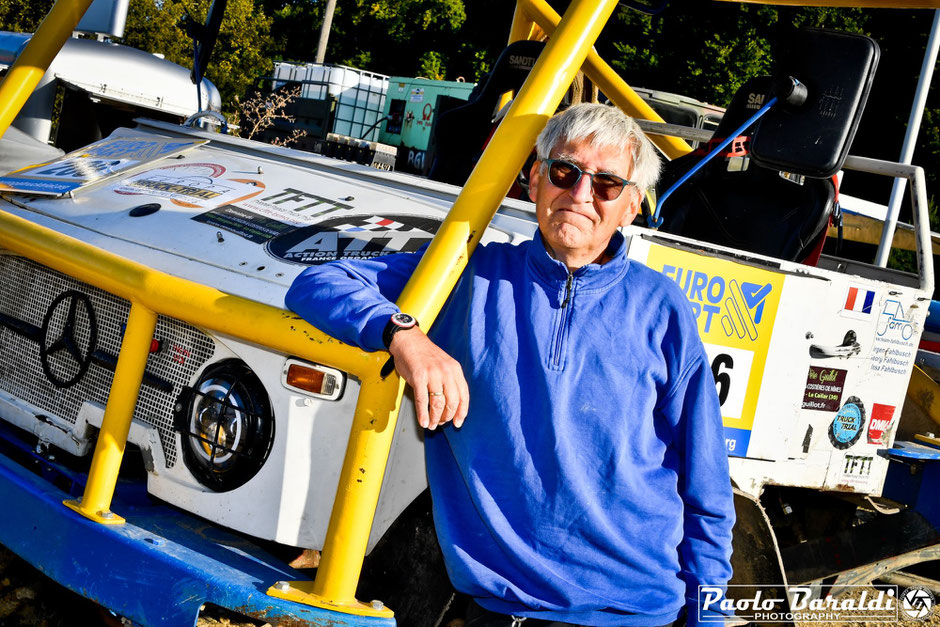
(881, 416)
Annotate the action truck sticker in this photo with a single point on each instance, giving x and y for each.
(735, 306)
(101, 160)
(353, 237)
(846, 427)
(824, 388)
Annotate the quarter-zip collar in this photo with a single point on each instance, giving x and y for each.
(593, 277)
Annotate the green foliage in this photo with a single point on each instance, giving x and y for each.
(241, 53)
(23, 17)
(441, 38)
(431, 66)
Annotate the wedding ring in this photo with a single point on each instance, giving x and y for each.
(436, 393)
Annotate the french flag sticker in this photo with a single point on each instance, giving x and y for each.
(859, 301)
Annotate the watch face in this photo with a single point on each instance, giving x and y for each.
(403, 320)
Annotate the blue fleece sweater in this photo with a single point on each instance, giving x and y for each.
(589, 483)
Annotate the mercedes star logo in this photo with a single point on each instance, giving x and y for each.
(66, 348)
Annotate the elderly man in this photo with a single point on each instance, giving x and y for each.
(589, 483)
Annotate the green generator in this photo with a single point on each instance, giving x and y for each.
(411, 107)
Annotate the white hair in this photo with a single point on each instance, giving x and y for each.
(602, 125)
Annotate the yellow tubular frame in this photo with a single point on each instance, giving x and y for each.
(33, 62)
(152, 293)
(598, 70)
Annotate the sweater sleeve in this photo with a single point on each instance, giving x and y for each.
(704, 484)
(352, 300)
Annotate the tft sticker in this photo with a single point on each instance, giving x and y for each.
(881, 416)
(846, 427)
(824, 388)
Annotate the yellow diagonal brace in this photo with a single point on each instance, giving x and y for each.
(116, 424)
(425, 293)
(445, 259)
(33, 62)
(609, 82)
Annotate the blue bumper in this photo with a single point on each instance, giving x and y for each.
(158, 568)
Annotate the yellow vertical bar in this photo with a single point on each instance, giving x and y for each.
(436, 275)
(33, 62)
(360, 481)
(109, 451)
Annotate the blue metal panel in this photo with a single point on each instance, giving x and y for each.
(158, 568)
(913, 451)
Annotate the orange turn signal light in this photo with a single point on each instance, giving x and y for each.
(313, 379)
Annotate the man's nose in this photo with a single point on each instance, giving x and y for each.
(581, 192)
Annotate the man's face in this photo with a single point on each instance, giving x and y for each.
(573, 221)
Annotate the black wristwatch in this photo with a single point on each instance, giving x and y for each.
(398, 322)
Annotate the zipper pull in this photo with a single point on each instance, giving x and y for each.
(567, 290)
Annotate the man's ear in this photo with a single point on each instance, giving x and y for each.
(636, 197)
(534, 179)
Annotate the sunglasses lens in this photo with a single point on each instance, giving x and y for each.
(566, 175)
(607, 187)
(563, 175)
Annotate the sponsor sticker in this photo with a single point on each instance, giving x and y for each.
(353, 237)
(847, 426)
(893, 349)
(190, 185)
(244, 223)
(101, 160)
(824, 388)
(856, 470)
(735, 307)
(881, 416)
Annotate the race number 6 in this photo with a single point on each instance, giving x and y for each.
(731, 368)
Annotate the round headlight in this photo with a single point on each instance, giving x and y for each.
(227, 426)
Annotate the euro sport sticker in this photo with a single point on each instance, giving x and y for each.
(735, 307)
(191, 185)
(893, 349)
(824, 388)
(353, 237)
(858, 302)
(99, 161)
(880, 423)
(846, 427)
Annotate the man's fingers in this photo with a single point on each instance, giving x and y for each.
(464, 390)
(452, 404)
(420, 387)
(437, 400)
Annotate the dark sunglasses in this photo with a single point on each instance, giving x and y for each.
(565, 175)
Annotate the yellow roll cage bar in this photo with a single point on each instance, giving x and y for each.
(150, 292)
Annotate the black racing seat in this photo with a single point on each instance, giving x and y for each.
(461, 133)
(734, 202)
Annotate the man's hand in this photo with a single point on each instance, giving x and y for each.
(441, 392)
